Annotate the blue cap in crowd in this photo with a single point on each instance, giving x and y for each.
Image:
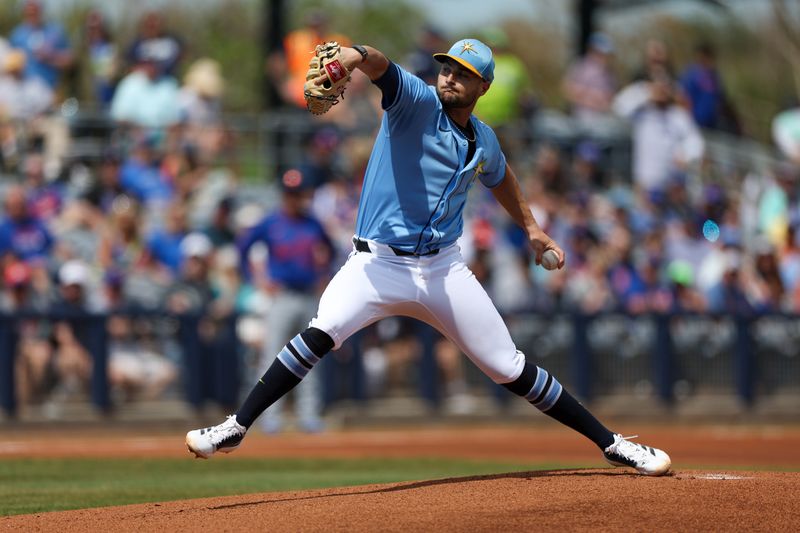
(601, 42)
(472, 55)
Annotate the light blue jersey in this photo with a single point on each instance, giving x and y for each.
(417, 179)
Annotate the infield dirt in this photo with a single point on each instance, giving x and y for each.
(572, 499)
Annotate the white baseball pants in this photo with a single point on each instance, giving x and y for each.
(437, 289)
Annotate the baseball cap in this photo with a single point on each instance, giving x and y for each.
(293, 180)
(16, 274)
(196, 245)
(472, 55)
(73, 273)
(601, 42)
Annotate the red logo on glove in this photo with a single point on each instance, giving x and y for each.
(335, 71)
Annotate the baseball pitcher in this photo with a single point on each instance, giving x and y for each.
(405, 261)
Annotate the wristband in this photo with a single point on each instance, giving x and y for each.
(361, 50)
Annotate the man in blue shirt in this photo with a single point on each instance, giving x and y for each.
(702, 85)
(22, 235)
(45, 45)
(428, 153)
(298, 264)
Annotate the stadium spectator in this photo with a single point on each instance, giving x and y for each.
(727, 295)
(586, 171)
(22, 97)
(45, 198)
(22, 235)
(45, 45)
(106, 186)
(511, 98)
(780, 195)
(4, 49)
(200, 97)
(666, 141)
(298, 265)
(768, 291)
(34, 370)
(72, 333)
(146, 97)
(703, 87)
(155, 45)
(656, 62)
(146, 281)
(101, 58)
(590, 85)
(323, 159)
(24, 120)
(142, 175)
(164, 244)
(287, 69)
(137, 368)
(200, 106)
(549, 171)
(652, 295)
(335, 205)
(78, 232)
(192, 293)
(122, 244)
(588, 289)
(420, 61)
(786, 133)
(685, 296)
(220, 227)
(789, 259)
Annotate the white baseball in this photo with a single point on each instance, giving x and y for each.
(550, 260)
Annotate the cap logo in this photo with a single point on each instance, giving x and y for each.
(292, 178)
(468, 47)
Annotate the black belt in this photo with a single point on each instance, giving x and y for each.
(363, 246)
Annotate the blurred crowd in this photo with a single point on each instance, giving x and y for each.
(160, 220)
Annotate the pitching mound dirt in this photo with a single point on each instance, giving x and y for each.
(574, 500)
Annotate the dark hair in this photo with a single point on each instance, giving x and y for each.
(705, 48)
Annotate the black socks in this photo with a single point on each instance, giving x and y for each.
(296, 359)
(544, 391)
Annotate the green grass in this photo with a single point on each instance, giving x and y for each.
(39, 485)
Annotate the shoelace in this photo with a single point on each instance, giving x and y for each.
(224, 431)
(632, 450)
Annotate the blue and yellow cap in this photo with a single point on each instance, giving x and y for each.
(472, 55)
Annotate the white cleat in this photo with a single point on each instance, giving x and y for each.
(645, 459)
(225, 438)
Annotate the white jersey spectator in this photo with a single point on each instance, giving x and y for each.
(665, 138)
(146, 98)
(199, 100)
(786, 133)
(22, 97)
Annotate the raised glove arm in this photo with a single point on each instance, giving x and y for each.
(326, 78)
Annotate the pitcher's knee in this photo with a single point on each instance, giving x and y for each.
(509, 370)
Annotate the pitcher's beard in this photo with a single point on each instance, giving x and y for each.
(453, 101)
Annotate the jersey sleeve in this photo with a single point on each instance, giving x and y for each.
(494, 166)
(412, 95)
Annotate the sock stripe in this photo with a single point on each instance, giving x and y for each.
(297, 356)
(551, 397)
(302, 348)
(291, 363)
(538, 384)
(546, 388)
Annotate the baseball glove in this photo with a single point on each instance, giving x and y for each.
(320, 98)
